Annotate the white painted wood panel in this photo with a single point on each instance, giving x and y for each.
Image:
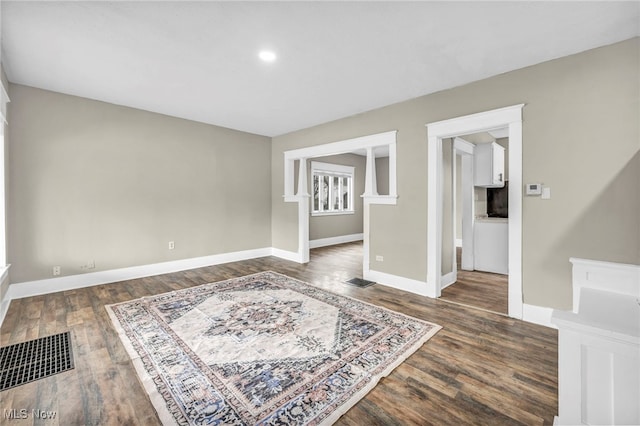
(491, 246)
(599, 346)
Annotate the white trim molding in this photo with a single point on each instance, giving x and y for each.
(4, 307)
(332, 241)
(71, 282)
(537, 315)
(617, 278)
(510, 117)
(6, 297)
(448, 279)
(4, 273)
(599, 346)
(366, 143)
(466, 152)
(398, 282)
(4, 100)
(286, 255)
(51, 285)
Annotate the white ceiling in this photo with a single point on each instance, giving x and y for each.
(198, 60)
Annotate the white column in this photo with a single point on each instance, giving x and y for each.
(393, 191)
(302, 178)
(370, 185)
(515, 219)
(366, 265)
(303, 212)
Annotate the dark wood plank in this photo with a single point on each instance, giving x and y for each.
(482, 368)
(478, 289)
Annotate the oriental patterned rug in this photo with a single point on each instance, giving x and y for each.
(261, 349)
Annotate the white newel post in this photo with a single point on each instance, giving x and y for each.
(370, 189)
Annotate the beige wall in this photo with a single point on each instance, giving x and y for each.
(95, 181)
(448, 157)
(338, 225)
(580, 137)
(4, 284)
(382, 175)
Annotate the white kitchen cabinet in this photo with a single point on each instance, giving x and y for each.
(489, 165)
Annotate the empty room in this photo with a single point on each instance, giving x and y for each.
(315, 213)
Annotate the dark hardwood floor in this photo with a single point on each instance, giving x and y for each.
(481, 368)
(482, 290)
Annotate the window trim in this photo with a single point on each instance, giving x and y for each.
(333, 170)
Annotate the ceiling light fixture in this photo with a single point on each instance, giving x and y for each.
(267, 56)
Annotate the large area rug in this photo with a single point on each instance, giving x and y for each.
(261, 349)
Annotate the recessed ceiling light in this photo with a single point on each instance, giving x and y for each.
(267, 56)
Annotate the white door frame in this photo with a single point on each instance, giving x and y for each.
(466, 150)
(370, 196)
(510, 117)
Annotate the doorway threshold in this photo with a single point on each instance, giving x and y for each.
(473, 307)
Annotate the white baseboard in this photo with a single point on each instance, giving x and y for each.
(286, 255)
(531, 313)
(537, 315)
(71, 282)
(448, 279)
(331, 241)
(50, 285)
(396, 281)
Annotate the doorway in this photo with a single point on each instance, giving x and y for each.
(365, 145)
(511, 119)
(477, 232)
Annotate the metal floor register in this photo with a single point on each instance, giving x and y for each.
(35, 359)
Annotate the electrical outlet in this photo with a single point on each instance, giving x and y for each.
(56, 271)
(379, 258)
(172, 245)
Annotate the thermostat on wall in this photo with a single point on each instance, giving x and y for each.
(533, 189)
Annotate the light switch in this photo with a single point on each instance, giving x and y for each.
(546, 193)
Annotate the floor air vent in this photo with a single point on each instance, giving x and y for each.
(36, 359)
(359, 282)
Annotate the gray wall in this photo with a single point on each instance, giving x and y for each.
(338, 225)
(580, 137)
(95, 181)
